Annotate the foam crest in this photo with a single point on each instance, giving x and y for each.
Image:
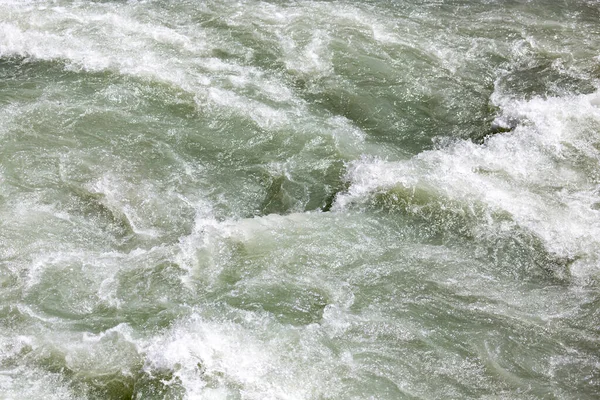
(216, 360)
(35, 384)
(543, 174)
(112, 38)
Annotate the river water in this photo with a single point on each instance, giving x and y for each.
(300, 199)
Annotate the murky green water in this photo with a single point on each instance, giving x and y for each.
(299, 200)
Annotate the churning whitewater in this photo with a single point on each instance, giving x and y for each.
(299, 200)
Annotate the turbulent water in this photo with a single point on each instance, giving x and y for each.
(300, 200)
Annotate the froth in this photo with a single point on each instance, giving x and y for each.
(543, 174)
(215, 360)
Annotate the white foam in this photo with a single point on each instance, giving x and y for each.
(216, 359)
(129, 40)
(33, 384)
(542, 174)
(97, 38)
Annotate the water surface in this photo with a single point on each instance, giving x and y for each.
(299, 200)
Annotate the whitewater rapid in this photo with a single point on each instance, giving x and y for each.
(304, 200)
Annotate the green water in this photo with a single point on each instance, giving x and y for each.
(299, 200)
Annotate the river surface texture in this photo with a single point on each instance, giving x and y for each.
(297, 200)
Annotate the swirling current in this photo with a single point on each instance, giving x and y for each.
(376, 199)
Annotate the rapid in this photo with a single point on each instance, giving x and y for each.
(299, 199)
